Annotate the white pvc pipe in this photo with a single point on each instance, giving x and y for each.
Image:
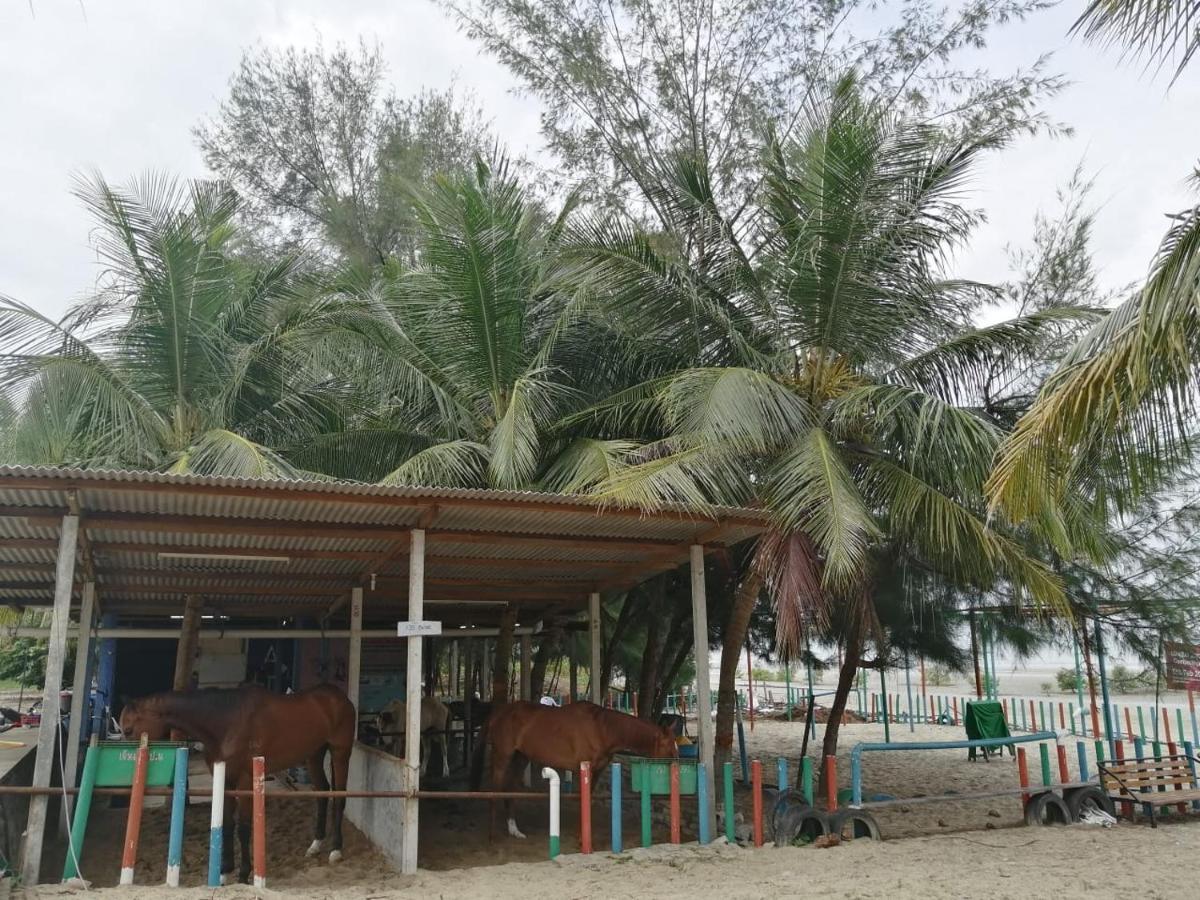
(216, 823)
(552, 776)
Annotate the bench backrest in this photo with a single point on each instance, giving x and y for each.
(1148, 774)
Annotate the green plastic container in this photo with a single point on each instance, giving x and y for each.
(118, 758)
(660, 774)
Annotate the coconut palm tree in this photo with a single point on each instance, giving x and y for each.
(836, 378)
(1158, 29)
(185, 359)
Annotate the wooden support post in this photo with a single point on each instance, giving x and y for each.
(79, 695)
(704, 725)
(64, 579)
(189, 638)
(454, 668)
(594, 642)
(412, 696)
(354, 665)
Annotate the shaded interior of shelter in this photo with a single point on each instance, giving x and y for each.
(275, 565)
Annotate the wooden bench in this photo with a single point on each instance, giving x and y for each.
(1162, 781)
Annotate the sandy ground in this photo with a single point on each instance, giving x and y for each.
(1073, 862)
(928, 851)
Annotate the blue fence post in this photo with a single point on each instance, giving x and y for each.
(702, 801)
(178, 810)
(1081, 752)
(783, 774)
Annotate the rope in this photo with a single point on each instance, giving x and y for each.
(67, 811)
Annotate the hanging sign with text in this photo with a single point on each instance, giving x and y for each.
(1183, 666)
(418, 629)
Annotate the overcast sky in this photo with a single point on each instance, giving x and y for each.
(117, 86)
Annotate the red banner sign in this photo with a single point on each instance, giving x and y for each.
(1183, 667)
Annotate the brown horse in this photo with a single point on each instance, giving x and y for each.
(562, 738)
(238, 724)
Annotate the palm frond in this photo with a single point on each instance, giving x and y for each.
(451, 464)
(1162, 29)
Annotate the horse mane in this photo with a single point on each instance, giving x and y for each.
(626, 727)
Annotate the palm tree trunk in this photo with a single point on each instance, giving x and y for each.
(731, 650)
(547, 649)
(849, 668)
(503, 656)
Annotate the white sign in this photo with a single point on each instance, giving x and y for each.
(418, 629)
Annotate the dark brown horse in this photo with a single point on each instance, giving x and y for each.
(238, 724)
(562, 738)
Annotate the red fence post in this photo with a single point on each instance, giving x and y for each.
(1166, 725)
(133, 824)
(585, 807)
(1023, 773)
(1064, 773)
(260, 821)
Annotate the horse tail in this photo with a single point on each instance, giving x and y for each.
(477, 756)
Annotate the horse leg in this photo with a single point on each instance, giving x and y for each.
(339, 766)
(316, 774)
(516, 765)
(445, 755)
(424, 752)
(244, 812)
(228, 832)
(497, 782)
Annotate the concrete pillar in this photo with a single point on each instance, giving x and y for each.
(594, 638)
(704, 727)
(354, 661)
(64, 581)
(412, 690)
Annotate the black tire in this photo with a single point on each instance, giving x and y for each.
(1047, 809)
(801, 825)
(849, 824)
(784, 802)
(1084, 798)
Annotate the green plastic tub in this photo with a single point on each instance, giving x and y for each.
(118, 758)
(659, 773)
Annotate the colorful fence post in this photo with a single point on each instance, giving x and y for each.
(674, 803)
(1044, 753)
(1166, 717)
(616, 807)
(1023, 774)
(727, 782)
(954, 700)
(831, 783)
(806, 780)
(1192, 712)
(645, 808)
(555, 830)
(178, 811)
(702, 801)
(1128, 724)
(1071, 715)
(1189, 750)
(782, 765)
(216, 825)
(585, 807)
(259, 784)
(1081, 754)
(83, 805)
(1141, 724)
(133, 824)
(1064, 771)
(756, 779)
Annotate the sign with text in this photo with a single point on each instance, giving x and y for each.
(1183, 666)
(418, 629)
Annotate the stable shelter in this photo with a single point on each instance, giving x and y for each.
(147, 549)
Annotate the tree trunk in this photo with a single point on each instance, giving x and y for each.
(671, 673)
(846, 674)
(731, 650)
(189, 637)
(547, 650)
(609, 656)
(975, 656)
(502, 660)
(1091, 676)
(656, 636)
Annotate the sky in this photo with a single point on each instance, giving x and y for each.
(118, 86)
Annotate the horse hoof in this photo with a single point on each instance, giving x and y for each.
(335, 856)
(514, 830)
(313, 849)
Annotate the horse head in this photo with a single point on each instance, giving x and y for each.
(664, 744)
(137, 718)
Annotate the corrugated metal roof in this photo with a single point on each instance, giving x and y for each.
(328, 536)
